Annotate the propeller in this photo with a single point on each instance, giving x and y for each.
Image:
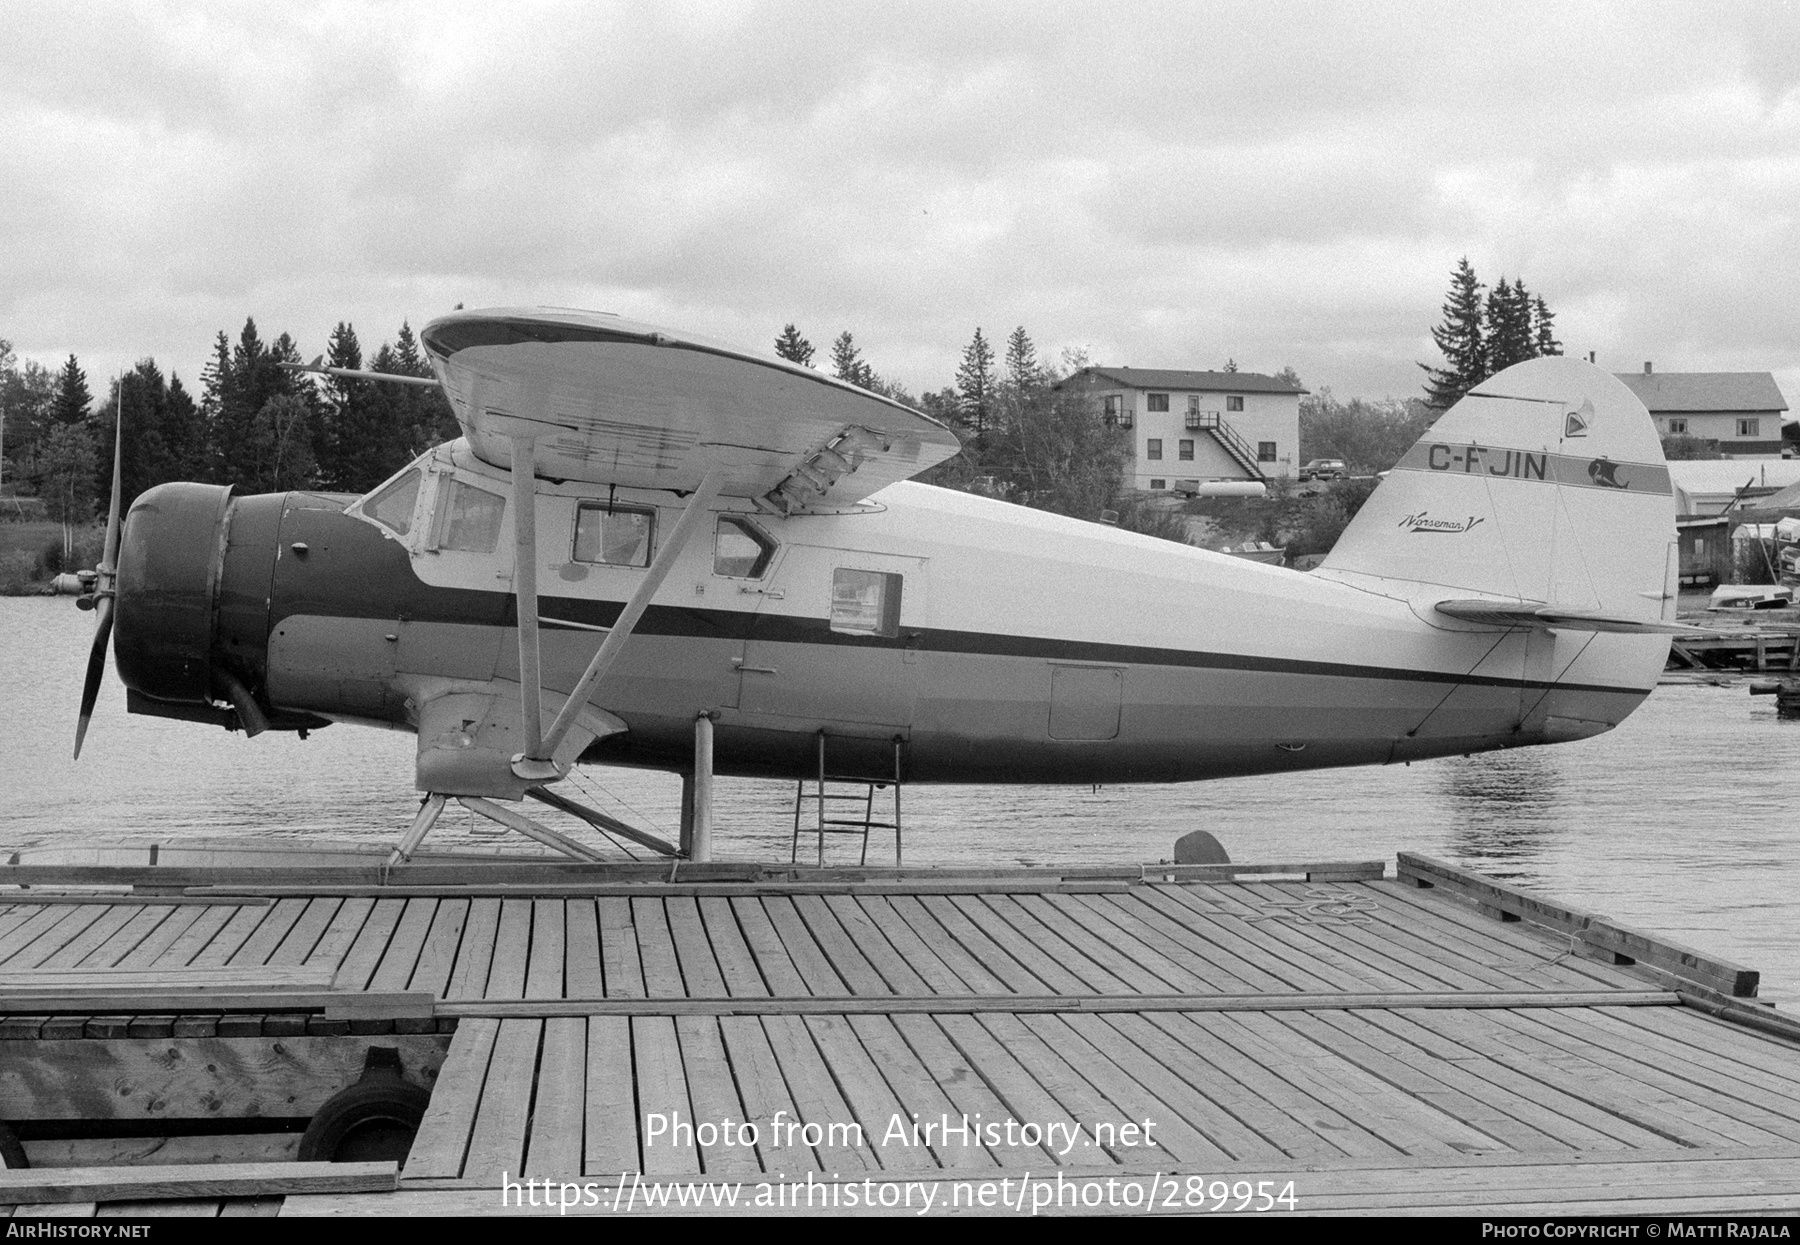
(102, 598)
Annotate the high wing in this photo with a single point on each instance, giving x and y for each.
(611, 401)
(1546, 617)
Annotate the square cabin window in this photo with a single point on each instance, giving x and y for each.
(1153, 448)
(1749, 427)
(1265, 451)
(614, 535)
(1184, 450)
(1234, 402)
(468, 518)
(865, 602)
(740, 549)
(1156, 402)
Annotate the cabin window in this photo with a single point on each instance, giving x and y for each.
(468, 518)
(740, 549)
(1234, 403)
(865, 602)
(1184, 450)
(393, 506)
(614, 535)
(1156, 402)
(1749, 427)
(1153, 448)
(1265, 451)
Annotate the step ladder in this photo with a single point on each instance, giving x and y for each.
(844, 805)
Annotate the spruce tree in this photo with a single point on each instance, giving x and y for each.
(1461, 340)
(1544, 328)
(72, 396)
(1022, 368)
(793, 347)
(1508, 327)
(847, 362)
(975, 382)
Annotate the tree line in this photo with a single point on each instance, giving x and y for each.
(256, 424)
(1480, 336)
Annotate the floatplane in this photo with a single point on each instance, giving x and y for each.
(652, 550)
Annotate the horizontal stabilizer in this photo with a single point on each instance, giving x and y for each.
(1537, 614)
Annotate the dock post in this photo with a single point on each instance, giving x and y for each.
(685, 842)
(700, 832)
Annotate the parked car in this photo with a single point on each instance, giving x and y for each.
(1325, 469)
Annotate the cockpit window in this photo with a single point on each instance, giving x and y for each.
(393, 506)
(740, 550)
(614, 535)
(468, 518)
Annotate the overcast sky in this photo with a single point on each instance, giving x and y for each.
(1161, 185)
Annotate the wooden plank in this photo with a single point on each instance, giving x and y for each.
(846, 957)
(1219, 932)
(610, 1107)
(817, 1099)
(111, 1184)
(816, 970)
(512, 951)
(766, 1100)
(975, 975)
(333, 1004)
(737, 965)
(555, 1149)
(583, 976)
(1394, 953)
(868, 938)
(965, 1084)
(973, 941)
(341, 933)
(235, 933)
(869, 1098)
(140, 926)
(549, 945)
(1160, 935)
(934, 975)
(364, 954)
(39, 939)
(699, 968)
(1740, 1053)
(713, 1093)
(437, 958)
(497, 1140)
(1021, 1094)
(619, 950)
(297, 947)
(181, 918)
(1097, 944)
(951, 1004)
(662, 1097)
(922, 1096)
(395, 968)
(1662, 953)
(773, 963)
(193, 939)
(475, 954)
(147, 1079)
(1109, 929)
(443, 1136)
(1059, 978)
(274, 927)
(656, 950)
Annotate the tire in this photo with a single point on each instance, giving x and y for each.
(375, 1120)
(12, 1154)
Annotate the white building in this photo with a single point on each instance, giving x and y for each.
(1198, 425)
(1741, 411)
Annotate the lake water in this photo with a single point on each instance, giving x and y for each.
(1681, 822)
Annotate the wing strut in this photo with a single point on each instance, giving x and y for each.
(534, 764)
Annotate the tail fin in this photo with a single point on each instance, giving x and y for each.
(1546, 484)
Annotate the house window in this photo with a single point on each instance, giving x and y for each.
(1234, 402)
(1193, 402)
(1749, 427)
(1109, 408)
(614, 535)
(1185, 451)
(1156, 402)
(1159, 484)
(1265, 451)
(1678, 427)
(1153, 448)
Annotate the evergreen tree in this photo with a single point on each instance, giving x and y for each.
(1508, 327)
(72, 396)
(348, 443)
(218, 390)
(66, 472)
(975, 382)
(1544, 329)
(1461, 339)
(847, 362)
(1231, 365)
(425, 416)
(793, 347)
(1023, 371)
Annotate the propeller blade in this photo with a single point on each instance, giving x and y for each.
(90, 691)
(103, 589)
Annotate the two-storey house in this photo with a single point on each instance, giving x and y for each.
(1739, 410)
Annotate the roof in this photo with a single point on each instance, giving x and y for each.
(1696, 392)
(1165, 378)
(1708, 484)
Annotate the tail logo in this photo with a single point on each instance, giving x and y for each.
(1574, 425)
(1601, 472)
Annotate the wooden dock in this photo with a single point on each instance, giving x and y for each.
(1433, 1042)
